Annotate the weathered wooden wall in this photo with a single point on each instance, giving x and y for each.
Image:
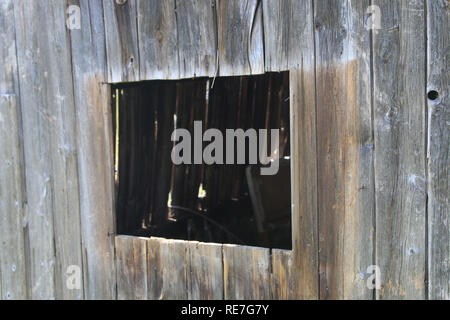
(370, 150)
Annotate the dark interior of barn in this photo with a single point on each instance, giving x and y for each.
(223, 203)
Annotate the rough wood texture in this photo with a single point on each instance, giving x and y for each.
(344, 149)
(438, 149)
(399, 111)
(12, 192)
(175, 264)
(168, 264)
(131, 264)
(304, 180)
(359, 229)
(154, 269)
(246, 273)
(287, 278)
(205, 277)
(158, 39)
(95, 159)
(12, 254)
(288, 33)
(50, 150)
(240, 37)
(197, 38)
(121, 40)
(61, 212)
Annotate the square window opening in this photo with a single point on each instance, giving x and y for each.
(204, 200)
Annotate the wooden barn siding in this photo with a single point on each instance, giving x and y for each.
(95, 151)
(374, 176)
(12, 183)
(438, 142)
(400, 153)
(344, 149)
(52, 221)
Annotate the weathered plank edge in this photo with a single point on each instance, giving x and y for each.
(13, 278)
(438, 150)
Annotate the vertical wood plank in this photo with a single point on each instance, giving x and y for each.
(168, 266)
(131, 264)
(205, 277)
(158, 39)
(359, 158)
(400, 178)
(40, 216)
(288, 34)
(240, 37)
(330, 35)
(50, 149)
(197, 38)
(287, 278)
(121, 40)
(246, 273)
(12, 191)
(95, 158)
(438, 150)
(174, 260)
(12, 197)
(304, 179)
(154, 269)
(344, 149)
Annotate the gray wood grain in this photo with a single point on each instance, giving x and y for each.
(158, 39)
(304, 181)
(168, 265)
(246, 273)
(95, 159)
(131, 264)
(121, 40)
(205, 276)
(197, 38)
(175, 265)
(50, 148)
(438, 149)
(154, 269)
(400, 177)
(344, 149)
(345, 185)
(288, 35)
(12, 186)
(240, 37)
(12, 198)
